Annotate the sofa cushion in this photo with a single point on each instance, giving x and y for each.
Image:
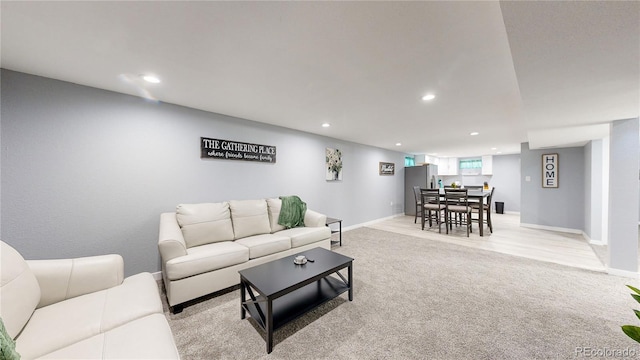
(19, 290)
(301, 236)
(265, 244)
(204, 223)
(205, 258)
(274, 206)
(61, 324)
(249, 217)
(62, 279)
(146, 338)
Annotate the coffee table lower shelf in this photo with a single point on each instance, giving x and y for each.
(297, 303)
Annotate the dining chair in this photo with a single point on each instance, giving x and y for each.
(448, 187)
(416, 194)
(431, 202)
(457, 217)
(487, 208)
(457, 203)
(474, 188)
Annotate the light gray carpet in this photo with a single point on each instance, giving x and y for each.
(421, 299)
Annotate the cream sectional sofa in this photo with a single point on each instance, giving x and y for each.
(82, 308)
(203, 246)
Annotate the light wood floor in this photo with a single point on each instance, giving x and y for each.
(508, 237)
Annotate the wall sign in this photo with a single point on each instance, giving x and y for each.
(386, 168)
(550, 168)
(236, 150)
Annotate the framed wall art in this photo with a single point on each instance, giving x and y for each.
(333, 164)
(387, 168)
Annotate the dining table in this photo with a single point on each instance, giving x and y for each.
(478, 195)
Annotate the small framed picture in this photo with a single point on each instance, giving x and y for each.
(387, 168)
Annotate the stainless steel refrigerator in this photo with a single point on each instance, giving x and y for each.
(425, 176)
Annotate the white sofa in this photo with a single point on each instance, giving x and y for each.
(82, 308)
(203, 246)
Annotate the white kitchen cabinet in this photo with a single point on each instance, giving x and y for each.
(443, 166)
(448, 166)
(453, 166)
(487, 165)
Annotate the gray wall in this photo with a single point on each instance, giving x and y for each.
(588, 179)
(624, 195)
(562, 207)
(594, 188)
(506, 180)
(87, 171)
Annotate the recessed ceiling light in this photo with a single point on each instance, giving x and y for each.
(150, 78)
(474, 133)
(499, 152)
(326, 124)
(398, 144)
(428, 97)
(494, 148)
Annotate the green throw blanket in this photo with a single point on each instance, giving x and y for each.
(7, 345)
(292, 212)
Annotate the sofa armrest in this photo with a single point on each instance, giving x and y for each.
(67, 278)
(314, 219)
(170, 239)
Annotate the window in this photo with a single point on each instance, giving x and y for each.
(409, 161)
(471, 164)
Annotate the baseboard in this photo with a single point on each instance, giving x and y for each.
(356, 226)
(591, 241)
(623, 273)
(157, 276)
(552, 228)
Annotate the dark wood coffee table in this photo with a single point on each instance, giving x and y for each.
(286, 291)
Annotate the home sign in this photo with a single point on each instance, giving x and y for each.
(236, 150)
(550, 170)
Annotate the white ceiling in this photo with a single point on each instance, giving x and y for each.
(508, 70)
